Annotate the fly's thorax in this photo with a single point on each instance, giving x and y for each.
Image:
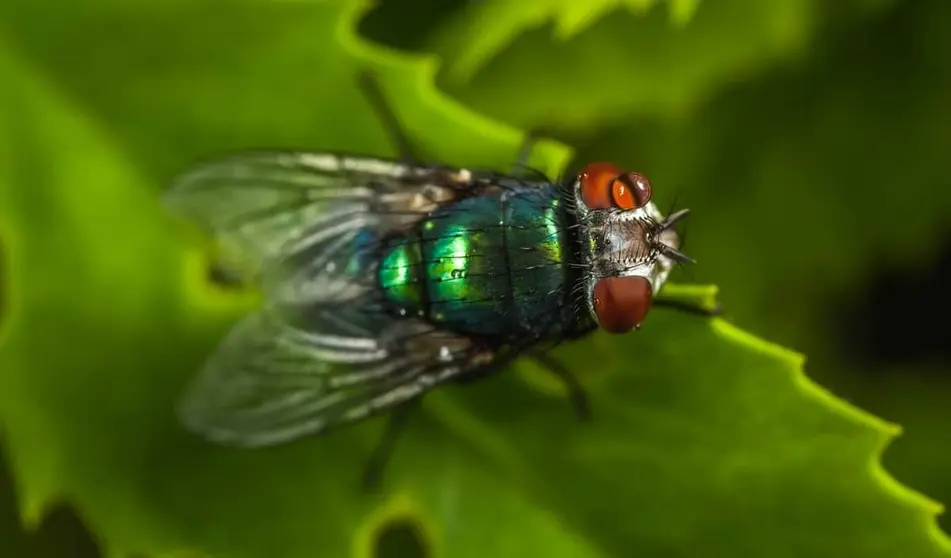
(494, 265)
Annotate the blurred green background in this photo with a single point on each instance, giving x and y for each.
(810, 138)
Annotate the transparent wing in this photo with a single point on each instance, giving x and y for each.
(320, 352)
(270, 383)
(263, 207)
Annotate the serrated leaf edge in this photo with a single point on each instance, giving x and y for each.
(889, 431)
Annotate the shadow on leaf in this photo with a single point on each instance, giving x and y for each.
(890, 320)
(400, 538)
(61, 534)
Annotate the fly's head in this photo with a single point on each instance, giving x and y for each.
(629, 246)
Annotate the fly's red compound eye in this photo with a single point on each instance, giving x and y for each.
(621, 303)
(631, 191)
(597, 180)
(605, 185)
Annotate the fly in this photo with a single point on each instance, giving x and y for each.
(383, 279)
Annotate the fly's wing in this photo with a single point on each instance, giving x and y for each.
(270, 382)
(320, 352)
(257, 205)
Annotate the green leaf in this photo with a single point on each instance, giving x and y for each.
(60, 534)
(626, 62)
(490, 26)
(12, 538)
(922, 403)
(793, 178)
(805, 180)
(705, 440)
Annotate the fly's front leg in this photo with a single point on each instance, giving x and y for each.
(579, 399)
(387, 116)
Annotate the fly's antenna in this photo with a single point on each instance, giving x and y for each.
(672, 219)
(667, 250)
(675, 254)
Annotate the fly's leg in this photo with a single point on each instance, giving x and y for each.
(579, 399)
(407, 151)
(376, 464)
(521, 166)
(689, 308)
(525, 151)
(384, 111)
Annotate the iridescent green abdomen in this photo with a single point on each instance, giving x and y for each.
(490, 265)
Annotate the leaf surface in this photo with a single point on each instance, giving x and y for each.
(706, 441)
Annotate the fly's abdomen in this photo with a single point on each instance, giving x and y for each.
(493, 265)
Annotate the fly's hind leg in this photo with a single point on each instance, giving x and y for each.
(579, 399)
(387, 116)
(395, 425)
